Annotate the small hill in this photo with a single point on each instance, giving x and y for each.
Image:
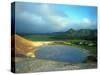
(24, 46)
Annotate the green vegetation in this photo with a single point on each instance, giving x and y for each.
(85, 44)
(91, 46)
(38, 37)
(82, 34)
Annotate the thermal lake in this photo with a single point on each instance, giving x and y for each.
(62, 53)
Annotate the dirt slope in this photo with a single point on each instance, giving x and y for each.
(24, 46)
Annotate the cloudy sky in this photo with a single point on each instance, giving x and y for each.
(48, 18)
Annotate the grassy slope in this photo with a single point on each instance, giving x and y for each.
(38, 37)
(92, 49)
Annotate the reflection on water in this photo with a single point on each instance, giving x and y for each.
(62, 53)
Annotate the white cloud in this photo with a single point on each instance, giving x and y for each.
(57, 21)
(46, 17)
(87, 21)
(31, 17)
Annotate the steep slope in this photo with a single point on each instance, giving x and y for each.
(27, 47)
(24, 46)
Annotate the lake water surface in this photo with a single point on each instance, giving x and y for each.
(62, 53)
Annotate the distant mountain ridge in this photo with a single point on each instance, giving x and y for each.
(89, 34)
(78, 34)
